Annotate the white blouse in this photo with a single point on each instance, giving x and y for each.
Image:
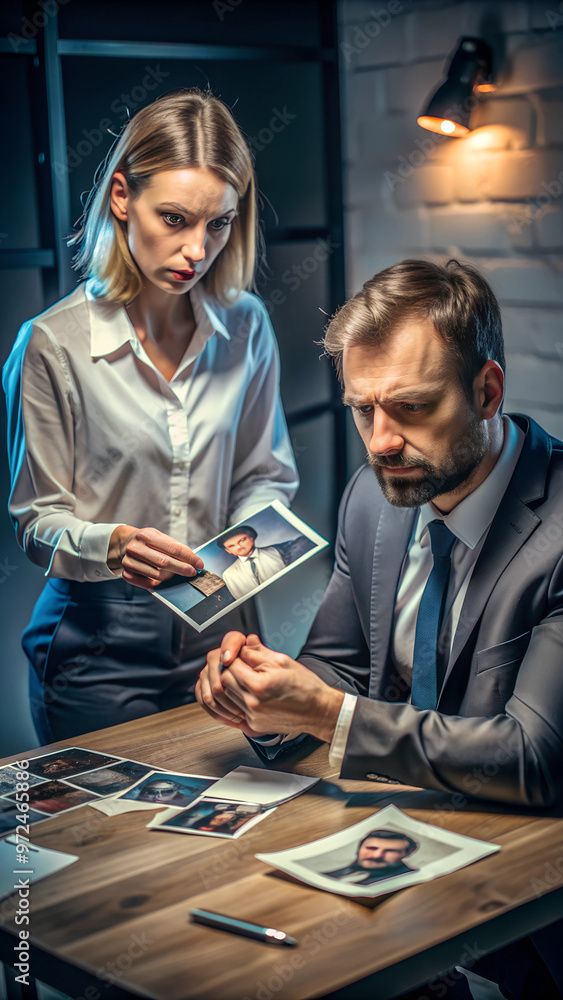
(98, 437)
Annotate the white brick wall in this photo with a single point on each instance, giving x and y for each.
(495, 198)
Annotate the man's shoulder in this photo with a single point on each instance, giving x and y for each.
(539, 469)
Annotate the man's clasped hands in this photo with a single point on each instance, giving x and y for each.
(261, 692)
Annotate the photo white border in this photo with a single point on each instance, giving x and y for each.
(301, 526)
(122, 796)
(467, 850)
(158, 821)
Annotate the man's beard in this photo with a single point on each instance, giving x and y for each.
(468, 452)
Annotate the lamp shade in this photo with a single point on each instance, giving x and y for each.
(448, 110)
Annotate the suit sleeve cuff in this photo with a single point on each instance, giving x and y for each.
(340, 738)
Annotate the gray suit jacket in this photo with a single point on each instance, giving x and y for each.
(497, 732)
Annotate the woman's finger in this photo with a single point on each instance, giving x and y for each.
(173, 550)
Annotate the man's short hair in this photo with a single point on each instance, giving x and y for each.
(455, 296)
(391, 835)
(246, 529)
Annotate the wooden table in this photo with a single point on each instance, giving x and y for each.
(121, 912)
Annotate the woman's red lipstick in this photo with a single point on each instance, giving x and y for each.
(183, 275)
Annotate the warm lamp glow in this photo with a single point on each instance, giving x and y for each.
(486, 88)
(437, 125)
(447, 111)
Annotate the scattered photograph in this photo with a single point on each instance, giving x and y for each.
(260, 784)
(56, 796)
(69, 762)
(167, 788)
(10, 816)
(383, 853)
(111, 780)
(213, 818)
(240, 562)
(9, 779)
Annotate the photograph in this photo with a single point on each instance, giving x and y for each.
(213, 818)
(260, 784)
(110, 780)
(56, 796)
(239, 563)
(383, 853)
(65, 763)
(11, 817)
(167, 788)
(9, 779)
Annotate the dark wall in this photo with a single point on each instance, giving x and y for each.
(64, 103)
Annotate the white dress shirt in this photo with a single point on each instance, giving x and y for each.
(239, 576)
(98, 437)
(469, 521)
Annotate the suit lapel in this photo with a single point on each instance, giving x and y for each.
(391, 540)
(512, 525)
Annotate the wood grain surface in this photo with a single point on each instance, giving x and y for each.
(122, 910)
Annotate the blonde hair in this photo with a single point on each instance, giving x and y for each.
(185, 129)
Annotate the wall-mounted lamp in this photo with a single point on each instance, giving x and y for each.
(469, 72)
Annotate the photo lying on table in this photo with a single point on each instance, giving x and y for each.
(114, 779)
(383, 853)
(55, 797)
(166, 788)
(11, 816)
(68, 762)
(259, 784)
(240, 562)
(9, 779)
(213, 818)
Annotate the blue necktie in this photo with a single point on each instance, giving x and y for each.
(252, 562)
(424, 691)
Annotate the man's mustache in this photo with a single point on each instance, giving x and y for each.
(396, 462)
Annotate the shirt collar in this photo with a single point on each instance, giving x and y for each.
(111, 328)
(472, 516)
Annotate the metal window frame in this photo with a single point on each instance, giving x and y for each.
(49, 130)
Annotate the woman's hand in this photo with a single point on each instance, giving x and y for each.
(147, 556)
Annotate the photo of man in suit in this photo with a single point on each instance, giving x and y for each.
(380, 855)
(435, 656)
(254, 564)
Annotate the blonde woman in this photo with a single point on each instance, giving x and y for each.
(144, 416)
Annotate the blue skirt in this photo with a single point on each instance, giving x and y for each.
(104, 653)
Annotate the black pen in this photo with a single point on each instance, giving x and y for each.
(268, 934)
